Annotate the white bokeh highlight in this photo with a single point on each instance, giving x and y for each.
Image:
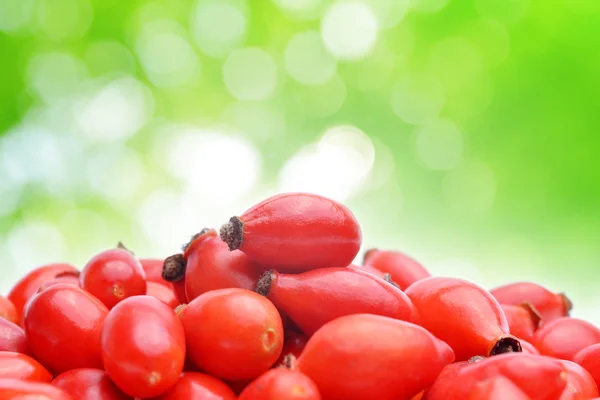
(218, 26)
(439, 144)
(35, 243)
(55, 75)
(336, 167)
(250, 74)
(307, 60)
(389, 12)
(306, 9)
(349, 29)
(62, 20)
(14, 14)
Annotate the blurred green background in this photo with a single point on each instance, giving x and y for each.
(462, 132)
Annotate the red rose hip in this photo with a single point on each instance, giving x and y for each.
(523, 320)
(196, 385)
(16, 389)
(404, 270)
(143, 346)
(464, 315)
(564, 337)
(21, 366)
(294, 232)
(12, 338)
(281, 383)
(89, 384)
(497, 388)
(589, 358)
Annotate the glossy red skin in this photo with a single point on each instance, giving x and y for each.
(12, 338)
(143, 346)
(179, 290)
(364, 356)
(63, 325)
(313, 298)
(249, 338)
(369, 269)
(528, 347)
(295, 232)
(89, 384)
(210, 265)
(30, 283)
(565, 337)
(16, 389)
(404, 269)
(497, 388)
(460, 313)
(21, 366)
(580, 384)
(550, 305)
(293, 344)
(153, 270)
(522, 320)
(163, 293)
(281, 383)
(589, 358)
(8, 310)
(113, 275)
(67, 277)
(539, 377)
(196, 385)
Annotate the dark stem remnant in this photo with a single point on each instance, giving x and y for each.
(194, 237)
(388, 278)
(506, 344)
(232, 233)
(568, 303)
(174, 268)
(121, 246)
(264, 282)
(367, 254)
(536, 317)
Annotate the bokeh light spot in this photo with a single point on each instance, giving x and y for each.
(417, 98)
(250, 74)
(260, 121)
(304, 9)
(439, 144)
(306, 59)
(14, 14)
(34, 243)
(470, 188)
(389, 12)
(108, 56)
(64, 19)
(455, 62)
(55, 75)
(349, 30)
(218, 26)
(507, 11)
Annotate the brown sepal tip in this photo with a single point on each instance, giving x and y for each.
(232, 233)
(536, 317)
(367, 254)
(388, 278)
(568, 303)
(174, 268)
(121, 246)
(194, 237)
(264, 282)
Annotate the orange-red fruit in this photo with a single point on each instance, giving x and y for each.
(8, 310)
(369, 269)
(589, 358)
(16, 389)
(497, 388)
(539, 377)
(71, 277)
(179, 290)
(281, 383)
(580, 384)
(21, 366)
(162, 292)
(89, 384)
(210, 265)
(463, 315)
(113, 275)
(233, 334)
(523, 320)
(550, 305)
(294, 232)
(403, 269)
(528, 347)
(366, 356)
(30, 283)
(313, 298)
(12, 337)
(63, 325)
(564, 337)
(196, 385)
(153, 270)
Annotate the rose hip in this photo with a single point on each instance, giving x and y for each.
(549, 305)
(589, 358)
(30, 283)
(464, 315)
(162, 292)
(21, 366)
(313, 298)
(293, 344)
(294, 232)
(12, 338)
(497, 388)
(16, 389)
(63, 325)
(233, 334)
(403, 269)
(113, 275)
(580, 384)
(8, 310)
(281, 383)
(153, 270)
(89, 384)
(564, 337)
(196, 385)
(71, 277)
(363, 356)
(528, 347)
(523, 320)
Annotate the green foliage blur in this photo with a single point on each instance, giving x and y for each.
(464, 132)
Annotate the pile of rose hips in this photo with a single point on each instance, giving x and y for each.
(272, 308)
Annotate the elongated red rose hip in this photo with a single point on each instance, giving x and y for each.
(404, 270)
(550, 305)
(497, 388)
(464, 315)
(589, 358)
(313, 298)
(523, 320)
(565, 337)
(295, 232)
(366, 356)
(580, 384)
